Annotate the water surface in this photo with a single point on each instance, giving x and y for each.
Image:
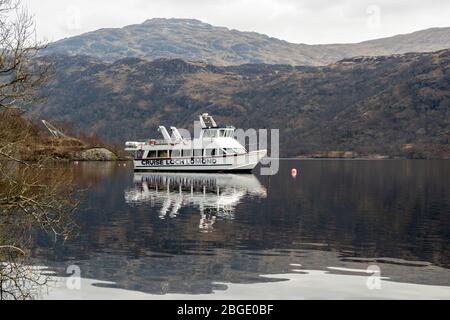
(244, 236)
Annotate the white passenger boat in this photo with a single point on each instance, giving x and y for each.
(215, 150)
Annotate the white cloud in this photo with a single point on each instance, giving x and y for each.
(301, 21)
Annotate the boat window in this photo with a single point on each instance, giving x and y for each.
(175, 153)
(210, 134)
(210, 152)
(139, 154)
(240, 151)
(220, 152)
(198, 153)
(152, 154)
(187, 153)
(163, 154)
(230, 151)
(222, 133)
(214, 133)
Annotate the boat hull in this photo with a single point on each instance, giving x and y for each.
(241, 163)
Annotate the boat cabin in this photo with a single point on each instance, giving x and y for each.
(188, 153)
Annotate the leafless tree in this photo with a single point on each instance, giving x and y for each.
(31, 194)
(20, 74)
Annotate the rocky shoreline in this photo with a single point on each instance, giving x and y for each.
(67, 149)
(345, 155)
(95, 154)
(351, 155)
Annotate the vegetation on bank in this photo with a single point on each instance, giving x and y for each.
(36, 143)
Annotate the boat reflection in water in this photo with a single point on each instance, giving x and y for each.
(216, 195)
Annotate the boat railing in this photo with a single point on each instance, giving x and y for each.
(157, 142)
(153, 142)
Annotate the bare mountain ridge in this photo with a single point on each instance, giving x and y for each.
(194, 40)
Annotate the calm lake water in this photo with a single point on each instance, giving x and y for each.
(230, 236)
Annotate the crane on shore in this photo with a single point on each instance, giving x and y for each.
(53, 130)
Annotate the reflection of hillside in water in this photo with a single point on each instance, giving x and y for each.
(335, 216)
(215, 195)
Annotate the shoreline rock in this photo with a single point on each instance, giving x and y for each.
(95, 154)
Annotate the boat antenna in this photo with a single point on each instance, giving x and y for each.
(207, 121)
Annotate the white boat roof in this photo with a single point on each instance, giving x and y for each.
(176, 141)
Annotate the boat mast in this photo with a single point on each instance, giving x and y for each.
(207, 121)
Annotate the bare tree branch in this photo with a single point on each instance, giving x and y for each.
(33, 195)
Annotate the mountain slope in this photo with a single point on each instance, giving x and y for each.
(189, 39)
(397, 105)
(428, 40)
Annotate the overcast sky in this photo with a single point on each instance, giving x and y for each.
(299, 21)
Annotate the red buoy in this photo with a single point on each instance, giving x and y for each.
(294, 173)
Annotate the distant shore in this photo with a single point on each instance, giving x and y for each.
(351, 155)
